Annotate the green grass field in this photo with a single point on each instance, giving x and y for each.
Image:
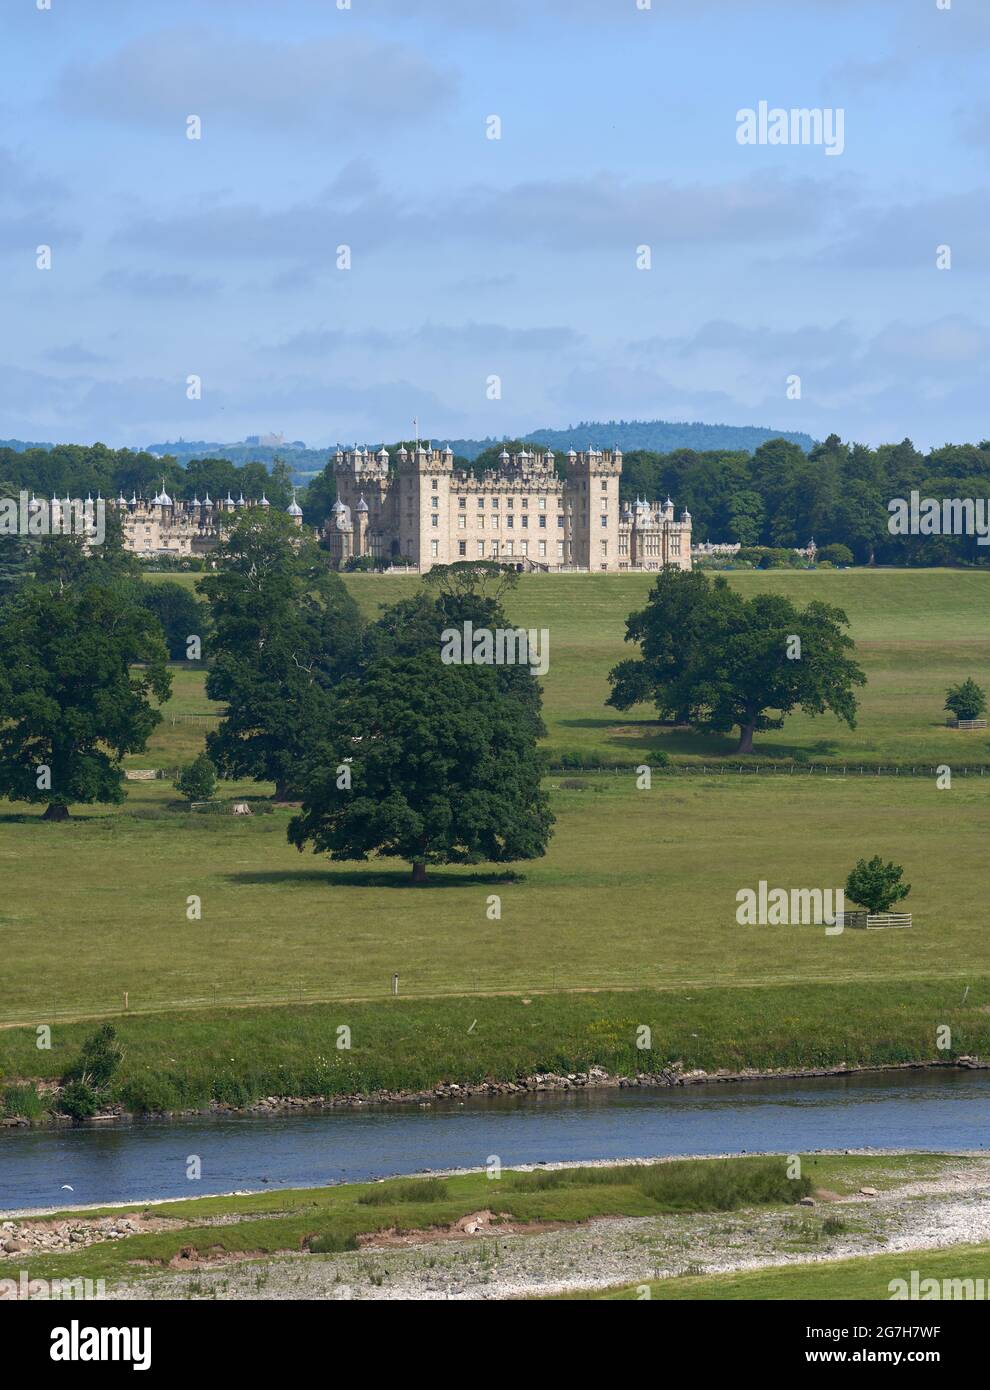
(638, 889)
(917, 632)
(866, 1277)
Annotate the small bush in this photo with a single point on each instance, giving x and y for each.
(332, 1243)
(79, 1100)
(99, 1058)
(198, 781)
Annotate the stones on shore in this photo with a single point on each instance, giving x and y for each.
(36, 1236)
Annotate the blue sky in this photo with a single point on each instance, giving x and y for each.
(472, 257)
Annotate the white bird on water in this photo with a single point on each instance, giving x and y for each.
(67, 1188)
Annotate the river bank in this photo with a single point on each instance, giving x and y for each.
(541, 1082)
(136, 1161)
(564, 1229)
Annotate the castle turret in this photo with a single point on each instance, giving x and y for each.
(593, 509)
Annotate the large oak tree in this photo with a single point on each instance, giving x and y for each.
(722, 661)
(81, 662)
(284, 631)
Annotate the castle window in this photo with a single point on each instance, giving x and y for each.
(604, 485)
(462, 501)
(434, 549)
(436, 520)
(543, 547)
(523, 547)
(525, 521)
(543, 504)
(560, 550)
(494, 523)
(481, 501)
(508, 547)
(481, 523)
(461, 523)
(604, 547)
(543, 521)
(525, 502)
(435, 501)
(510, 521)
(494, 548)
(560, 520)
(481, 550)
(436, 484)
(462, 547)
(494, 501)
(604, 520)
(510, 501)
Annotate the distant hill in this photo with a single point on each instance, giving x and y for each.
(659, 436)
(19, 445)
(299, 460)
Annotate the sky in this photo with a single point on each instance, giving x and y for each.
(495, 285)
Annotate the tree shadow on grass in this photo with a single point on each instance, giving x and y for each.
(373, 878)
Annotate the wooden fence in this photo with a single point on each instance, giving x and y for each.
(873, 921)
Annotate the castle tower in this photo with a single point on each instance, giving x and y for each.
(423, 503)
(592, 496)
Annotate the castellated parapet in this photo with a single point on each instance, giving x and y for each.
(417, 508)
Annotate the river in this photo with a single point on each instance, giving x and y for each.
(147, 1159)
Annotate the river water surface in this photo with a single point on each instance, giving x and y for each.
(144, 1160)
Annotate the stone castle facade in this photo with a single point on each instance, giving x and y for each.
(524, 513)
(162, 527)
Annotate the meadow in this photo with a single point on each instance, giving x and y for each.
(637, 890)
(916, 633)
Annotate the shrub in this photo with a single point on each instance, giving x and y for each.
(836, 554)
(198, 781)
(331, 1243)
(876, 885)
(79, 1100)
(966, 701)
(99, 1058)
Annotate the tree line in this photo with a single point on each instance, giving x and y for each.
(776, 496)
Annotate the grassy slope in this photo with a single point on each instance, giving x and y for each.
(237, 1055)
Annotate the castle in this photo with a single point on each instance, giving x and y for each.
(426, 513)
(162, 527)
